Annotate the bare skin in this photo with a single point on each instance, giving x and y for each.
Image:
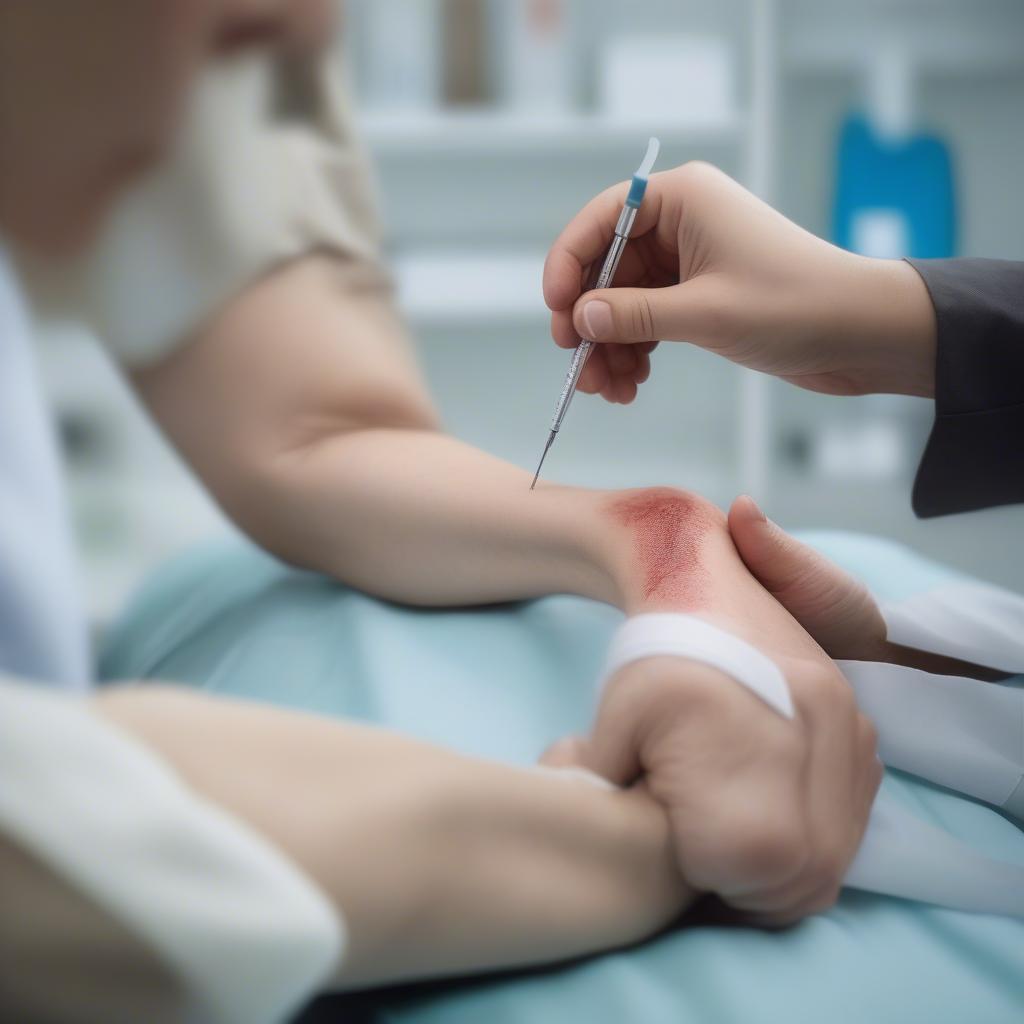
(711, 264)
(834, 607)
(440, 864)
(300, 407)
(325, 450)
(91, 92)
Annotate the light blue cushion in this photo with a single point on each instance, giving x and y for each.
(503, 682)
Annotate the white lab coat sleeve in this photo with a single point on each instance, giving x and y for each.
(249, 936)
(975, 622)
(963, 734)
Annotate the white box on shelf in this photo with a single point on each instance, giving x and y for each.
(400, 69)
(532, 46)
(681, 78)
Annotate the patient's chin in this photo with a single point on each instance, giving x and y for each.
(55, 233)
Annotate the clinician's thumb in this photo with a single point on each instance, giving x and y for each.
(833, 606)
(638, 314)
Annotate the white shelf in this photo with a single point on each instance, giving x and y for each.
(474, 131)
(938, 36)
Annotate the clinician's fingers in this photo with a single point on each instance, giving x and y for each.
(562, 330)
(633, 271)
(595, 376)
(617, 384)
(621, 360)
(840, 784)
(697, 310)
(643, 367)
(833, 606)
(586, 239)
(818, 902)
(624, 391)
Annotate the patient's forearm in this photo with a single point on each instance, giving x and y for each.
(416, 516)
(440, 864)
(420, 517)
(301, 408)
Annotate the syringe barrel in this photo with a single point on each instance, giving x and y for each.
(604, 279)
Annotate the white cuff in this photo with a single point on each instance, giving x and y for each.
(961, 733)
(975, 622)
(686, 636)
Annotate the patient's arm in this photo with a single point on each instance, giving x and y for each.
(440, 864)
(300, 407)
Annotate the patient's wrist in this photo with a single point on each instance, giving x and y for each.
(656, 546)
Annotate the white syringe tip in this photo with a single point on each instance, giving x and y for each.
(649, 157)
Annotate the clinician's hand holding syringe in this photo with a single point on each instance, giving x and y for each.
(604, 280)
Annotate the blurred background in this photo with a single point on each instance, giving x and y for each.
(892, 127)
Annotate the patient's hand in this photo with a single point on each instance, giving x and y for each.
(765, 812)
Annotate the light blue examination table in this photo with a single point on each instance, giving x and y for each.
(503, 682)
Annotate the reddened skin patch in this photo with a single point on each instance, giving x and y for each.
(669, 528)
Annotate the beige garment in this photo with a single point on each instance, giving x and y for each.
(65, 958)
(109, 862)
(267, 168)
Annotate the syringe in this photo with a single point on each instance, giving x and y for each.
(604, 280)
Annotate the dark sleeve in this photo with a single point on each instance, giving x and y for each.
(975, 454)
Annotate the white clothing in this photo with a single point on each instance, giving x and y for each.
(42, 628)
(101, 821)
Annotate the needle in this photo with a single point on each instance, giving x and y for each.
(604, 279)
(551, 439)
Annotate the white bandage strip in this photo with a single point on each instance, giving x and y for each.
(686, 636)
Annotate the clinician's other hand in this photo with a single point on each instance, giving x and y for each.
(711, 264)
(835, 608)
(765, 812)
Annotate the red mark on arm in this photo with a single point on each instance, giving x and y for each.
(668, 529)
